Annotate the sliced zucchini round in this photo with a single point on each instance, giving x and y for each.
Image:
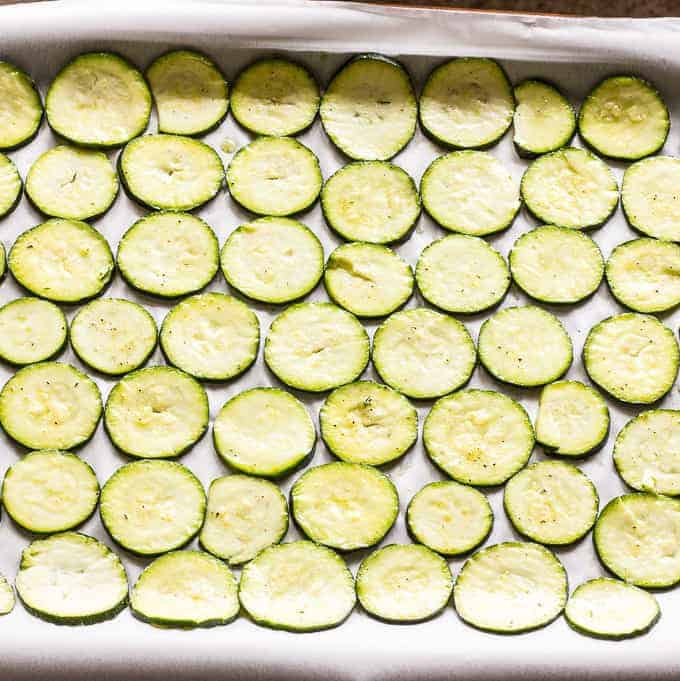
(478, 437)
(570, 188)
(276, 176)
(65, 261)
(467, 103)
(369, 109)
(572, 419)
(524, 346)
(372, 201)
(70, 578)
(449, 518)
(31, 330)
(244, 516)
(316, 347)
(98, 100)
(511, 587)
(168, 254)
(624, 117)
(423, 354)
(470, 192)
(264, 431)
(633, 357)
(644, 275)
(3, 261)
(21, 109)
(72, 183)
(151, 507)
(10, 181)
(273, 260)
(185, 589)
(404, 583)
(156, 412)
(7, 599)
(462, 274)
(190, 93)
(275, 97)
(608, 608)
(366, 422)
(50, 405)
(647, 452)
(637, 537)
(50, 491)
(369, 280)
(544, 121)
(650, 197)
(297, 586)
(346, 506)
(572, 277)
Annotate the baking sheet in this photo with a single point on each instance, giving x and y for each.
(573, 52)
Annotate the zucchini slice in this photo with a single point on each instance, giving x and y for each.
(423, 354)
(7, 599)
(297, 586)
(316, 347)
(644, 275)
(264, 431)
(273, 260)
(151, 507)
(276, 176)
(624, 117)
(275, 97)
(346, 506)
(470, 192)
(70, 578)
(50, 405)
(633, 357)
(21, 109)
(372, 201)
(50, 491)
(572, 419)
(467, 103)
(10, 183)
(170, 172)
(113, 335)
(244, 516)
(72, 183)
(608, 608)
(369, 280)
(190, 93)
(404, 583)
(637, 538)
(449, 518)
(211, 336)
(156, 412)
(369, 109)
(168, 254)
(647, 452)
(31, 330)
(65, 261)
(511, 587)
(572, 277)
(478, 437)
(98, 100)
(650, 198)
(185, 589)
(544, 121)
(525, 346)
(570, 188)
(3, 261)
(367, 422)
(462, 274)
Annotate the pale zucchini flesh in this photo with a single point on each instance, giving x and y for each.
(7, 599)
(10, 183)
(20, 107)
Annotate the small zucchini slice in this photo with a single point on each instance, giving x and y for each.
(22, 110)
(369, 109)
(3, 261)
(467, 103)
(633, 357)
(10, 182)
(470, 192)
(264, 431)
(346, 506)
(7, 600)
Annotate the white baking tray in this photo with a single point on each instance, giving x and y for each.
(573, 52)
